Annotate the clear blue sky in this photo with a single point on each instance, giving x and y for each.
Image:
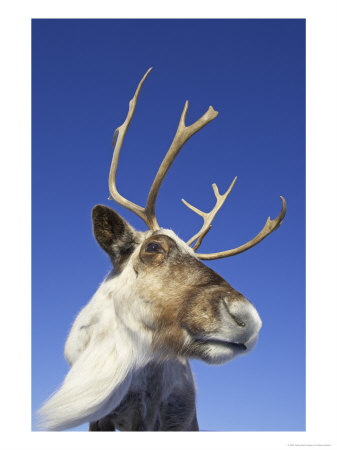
(253, 73)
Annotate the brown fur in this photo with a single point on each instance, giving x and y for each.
(196, 306)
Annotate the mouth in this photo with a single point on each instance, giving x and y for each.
(228, 344)
(214, 341)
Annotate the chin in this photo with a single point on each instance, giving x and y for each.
(217, 353)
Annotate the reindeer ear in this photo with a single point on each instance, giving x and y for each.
(114, 234)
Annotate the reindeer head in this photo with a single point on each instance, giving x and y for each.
(185, 307)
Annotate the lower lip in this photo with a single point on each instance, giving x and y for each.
(232, 345)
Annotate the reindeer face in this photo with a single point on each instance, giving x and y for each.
(188, 307)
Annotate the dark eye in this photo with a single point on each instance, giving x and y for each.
(153, 247)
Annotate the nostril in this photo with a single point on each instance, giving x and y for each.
(237, 320)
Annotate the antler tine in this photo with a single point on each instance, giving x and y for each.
(181, 137)
(269, 227)
(208, 217)
(118, 138)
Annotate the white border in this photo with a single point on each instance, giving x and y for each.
(321, 220)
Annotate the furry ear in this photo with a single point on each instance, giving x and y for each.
(114, 235)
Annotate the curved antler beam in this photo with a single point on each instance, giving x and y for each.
(117, 141)
(183, 134)
(269, 227)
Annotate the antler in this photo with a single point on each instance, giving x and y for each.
(118, 138)
(182, 135)
(269, 227)
(208, 217)
(147, 214)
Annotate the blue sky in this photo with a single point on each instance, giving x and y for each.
(84, 72)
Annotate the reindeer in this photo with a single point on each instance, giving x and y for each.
(129, 346)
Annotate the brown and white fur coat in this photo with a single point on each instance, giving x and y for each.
(129, 346)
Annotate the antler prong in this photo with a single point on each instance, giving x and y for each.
(216, 190)
(183, 116)
(193, 208)
(208, 217)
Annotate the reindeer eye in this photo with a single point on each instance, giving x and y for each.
(154, 247)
